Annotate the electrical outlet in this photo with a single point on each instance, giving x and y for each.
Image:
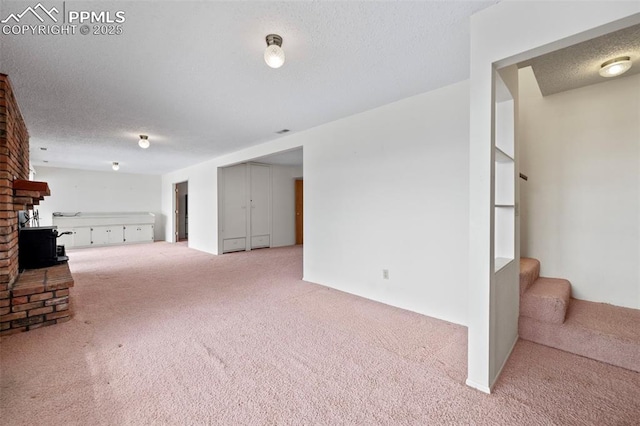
(385, 274)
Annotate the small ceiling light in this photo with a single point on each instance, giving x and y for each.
(115, 166)
(615, 67)
(144, 141)
(274, 55)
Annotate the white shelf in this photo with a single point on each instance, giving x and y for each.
(502, 157)
(504, 185)
(500, 262)
(505, 177)
(504, 232)
(504, 128)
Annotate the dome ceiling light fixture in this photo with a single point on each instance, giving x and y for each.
(616, 66)
(273, 54)
(144, 142)
(115, 166)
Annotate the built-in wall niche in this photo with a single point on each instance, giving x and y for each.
(504, 176)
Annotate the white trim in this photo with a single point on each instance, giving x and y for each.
(504, 363)
(174, 224)
(478, 386)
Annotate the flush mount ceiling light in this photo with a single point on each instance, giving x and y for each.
(615, 67)
(273, 54)
(144, 141)
(115, 166)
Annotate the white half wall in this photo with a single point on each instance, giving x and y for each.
(581, 151)
(384, 189)
(74, 190)
(502, 35)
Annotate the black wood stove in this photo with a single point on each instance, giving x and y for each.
(37, 247)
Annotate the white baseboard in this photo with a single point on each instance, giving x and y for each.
(478, 386)
(489, 389)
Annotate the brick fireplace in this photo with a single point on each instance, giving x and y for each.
(36, 297)
(14, 165)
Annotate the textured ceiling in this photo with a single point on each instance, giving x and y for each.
(191, 74)
(578, 65)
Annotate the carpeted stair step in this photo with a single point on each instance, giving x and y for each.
(529, 273)
(546, 300)
(599, 331)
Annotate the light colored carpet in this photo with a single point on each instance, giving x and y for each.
(167, 335)
(597, 330)
(529, 272)
(547, 300)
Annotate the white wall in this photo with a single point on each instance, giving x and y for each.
(581, 151)
(203, 202)
(75, 190)
(388, 189)
(502, 35)
(384, 189)
(283, 203)
(203, 205)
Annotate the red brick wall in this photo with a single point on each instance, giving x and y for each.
(14, 164)
(40, 297)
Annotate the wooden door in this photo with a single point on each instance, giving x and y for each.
(299, 212)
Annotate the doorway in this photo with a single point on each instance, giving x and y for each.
(299, 212)
(182, 212)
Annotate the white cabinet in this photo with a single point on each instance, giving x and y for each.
(65, 240)
(138, 233)
(260, 241)
(260, 198)
(77, 237)
(103, 235)
(234, 208)
(99, 229)
(234, 244)
(81, 237)
(245, 199)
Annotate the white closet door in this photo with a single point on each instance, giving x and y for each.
(235, 203)
(260, 206)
